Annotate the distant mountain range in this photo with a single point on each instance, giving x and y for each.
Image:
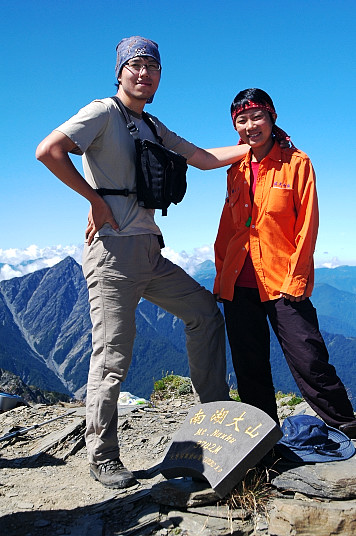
(45, 332)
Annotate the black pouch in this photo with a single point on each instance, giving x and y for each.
(160, 176)
(160, 172)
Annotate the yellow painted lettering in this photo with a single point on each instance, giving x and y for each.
(201, 431)
(235, 420)
(219, 415)
(198, 417)
(251, 432)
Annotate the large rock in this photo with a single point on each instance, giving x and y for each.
(306, 518)
(333, 480)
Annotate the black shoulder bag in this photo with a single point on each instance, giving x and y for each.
(160, 172)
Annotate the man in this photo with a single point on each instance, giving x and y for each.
(264, 262)
(122, 260)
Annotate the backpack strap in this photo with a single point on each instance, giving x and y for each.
(131, 125)
(110, 191)
(152, 126)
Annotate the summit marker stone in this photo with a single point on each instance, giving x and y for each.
(219, 442)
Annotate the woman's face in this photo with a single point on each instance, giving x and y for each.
(255, 128)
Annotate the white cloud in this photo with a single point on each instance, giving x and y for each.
(7, 272)
(332, 262)
(17, 256)
(189, 262)
(19, 262)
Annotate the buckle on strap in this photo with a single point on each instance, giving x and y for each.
(107, 191)
(131, 126)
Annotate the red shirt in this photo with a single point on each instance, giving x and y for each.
(247, 276)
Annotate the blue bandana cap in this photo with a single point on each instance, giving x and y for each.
(131, 47)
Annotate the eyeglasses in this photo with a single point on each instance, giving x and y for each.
(136, 66)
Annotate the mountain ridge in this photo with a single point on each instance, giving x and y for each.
(45, 331)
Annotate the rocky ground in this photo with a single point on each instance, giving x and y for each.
(46, 489)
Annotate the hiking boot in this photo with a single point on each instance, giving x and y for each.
(112, 474)
(349, 428)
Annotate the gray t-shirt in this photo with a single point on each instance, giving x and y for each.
(100, 133)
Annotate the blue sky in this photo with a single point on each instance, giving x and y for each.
(59, 55)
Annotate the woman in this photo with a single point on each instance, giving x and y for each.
(264, 262)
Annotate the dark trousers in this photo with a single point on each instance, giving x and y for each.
(296, 327)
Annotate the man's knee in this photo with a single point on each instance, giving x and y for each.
(207, 321)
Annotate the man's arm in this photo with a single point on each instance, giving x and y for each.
(218, 157)
(53, 153)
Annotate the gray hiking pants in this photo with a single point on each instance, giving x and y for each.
(119, 271)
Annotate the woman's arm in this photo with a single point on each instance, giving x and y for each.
(306, 230)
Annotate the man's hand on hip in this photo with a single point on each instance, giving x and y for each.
(99, 214)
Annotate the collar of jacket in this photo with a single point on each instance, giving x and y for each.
(274, 154)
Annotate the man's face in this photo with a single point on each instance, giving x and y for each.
(255, 127)
(139, 78)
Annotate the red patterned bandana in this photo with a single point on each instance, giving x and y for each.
(251, 104)
(278, 133)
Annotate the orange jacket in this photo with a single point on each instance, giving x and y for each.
(283, 228)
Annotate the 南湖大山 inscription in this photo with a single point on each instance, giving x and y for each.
(220, 441)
